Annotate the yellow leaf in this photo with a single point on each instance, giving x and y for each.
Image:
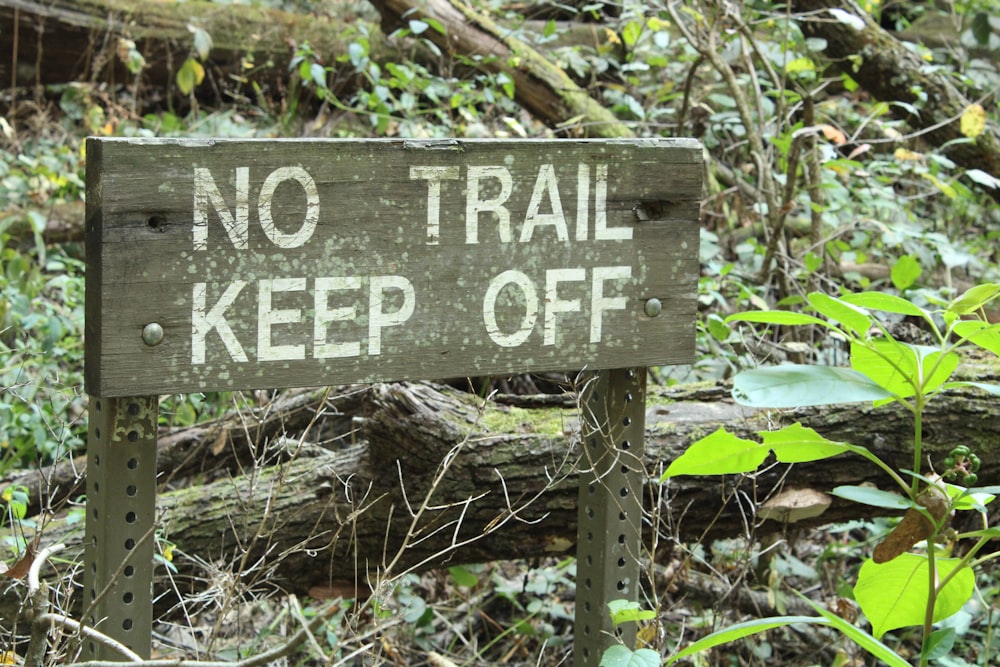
(8, 658)
(190, 75)
(611, 36)
(945, 188)
(834, 135)
(973, 121)
(903, 155)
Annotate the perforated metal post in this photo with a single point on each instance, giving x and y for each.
(121, 505)
(610, 508)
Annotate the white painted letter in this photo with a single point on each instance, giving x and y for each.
(553, 304)
(600, 303)
(601, 230)
(582, 201)
(474, 205)
(205, 191)
(266, 317)
(202, 322)
(378, 318)
(434, 176)
(546, 181)
(523, 330)
(325, 315)
(305, 232)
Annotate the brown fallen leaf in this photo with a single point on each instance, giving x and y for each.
(20, 569)
(914, 527)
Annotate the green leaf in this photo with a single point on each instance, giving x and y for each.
(860, 637)
(905, 272)
(720, 453)
(776, 317)
(620, 656)
(202, 41)
(975, 298)
(739, 631)
(981, 28)
(984, 178)
(940, 643)
(795, 386)
(989, 388)
(462, 577)
(887, 303)
(992, 533)
(894, 594)
(874, 497)
(626, 611)
(977, 332)
(189, 75)
(631, 33)
(797, 444)
(318, 75)
(969, 499)
(901, 367)
(852, 317)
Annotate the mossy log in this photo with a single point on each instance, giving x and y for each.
(499, 482)
(62, 41)
(539, 86)
(889, 71)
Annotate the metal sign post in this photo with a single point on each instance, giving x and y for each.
(121, 503)
(610, 508)
(216, 265)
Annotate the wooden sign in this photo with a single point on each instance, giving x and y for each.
(242, 264)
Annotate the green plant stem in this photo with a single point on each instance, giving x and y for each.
(932, 594)
(868, 454)
(918, 436)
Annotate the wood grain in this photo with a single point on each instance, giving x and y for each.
(371, 227)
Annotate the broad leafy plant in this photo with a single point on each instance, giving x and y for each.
(911, 579)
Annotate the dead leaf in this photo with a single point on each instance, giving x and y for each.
(794, 505)
(834, 135)
(20, 569)
(915, 527)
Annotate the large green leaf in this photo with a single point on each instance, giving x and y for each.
(738, 631)
(621, 656)
(796, 444)
(975, 298)
(796, 386)
(860, 637)
(874, 497)
(982, 386)
(776, 317)
(851, 317)
(720, 453)
(887, 303)
(900, 368)
(983, 334)
(894, 594)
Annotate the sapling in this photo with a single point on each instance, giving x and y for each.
(911, 579)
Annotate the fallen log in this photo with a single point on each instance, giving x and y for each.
(539, 86)
(884, 67)
(437, 477)
(61, 41)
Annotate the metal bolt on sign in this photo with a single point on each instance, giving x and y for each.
(610, 508)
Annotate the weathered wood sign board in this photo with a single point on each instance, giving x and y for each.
(241, 264)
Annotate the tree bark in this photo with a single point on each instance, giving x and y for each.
(339, 514)
(60, 41)
(539, 86)
(884, 67)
